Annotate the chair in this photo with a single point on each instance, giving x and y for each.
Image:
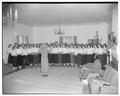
(94, 67)
(106, 83)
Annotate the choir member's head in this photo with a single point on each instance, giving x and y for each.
(105, 45)
(55, 46)
(52, 46)
(49, 45)
(23, 44)
(60, 44)
(44, 46)
(29, 45)
(65, 46)
(96, 46)
(32, 45)
(79, 45)
(76, 46)
(82, 44)
(20, 46)
(39, 45)
(68, 45)
(100, 45)
(72, 45)
(10, 46)
(26, 45)
(15, 45)
(92, 45)
(87, 45)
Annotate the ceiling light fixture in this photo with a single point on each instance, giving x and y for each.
(11, 15)
(59, 31)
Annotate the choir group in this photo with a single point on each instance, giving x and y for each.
(29, 55)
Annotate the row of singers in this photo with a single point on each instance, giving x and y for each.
(79, 50)
(27, 56)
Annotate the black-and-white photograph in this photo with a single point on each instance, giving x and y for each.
(59, 48)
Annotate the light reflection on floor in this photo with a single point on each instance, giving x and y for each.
(60, 80)
(22, 81)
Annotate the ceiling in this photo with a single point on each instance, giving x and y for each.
(48, 14)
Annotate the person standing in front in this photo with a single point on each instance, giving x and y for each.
(44, 60)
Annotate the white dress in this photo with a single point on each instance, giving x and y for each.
(13, 53)
(18, 51)
(9, 51)
(44, 61)
(76, 51)
(100, 51)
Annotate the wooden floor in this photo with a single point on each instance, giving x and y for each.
(60, 80)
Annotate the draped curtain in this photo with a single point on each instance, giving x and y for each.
(22, 39)
(67, 39)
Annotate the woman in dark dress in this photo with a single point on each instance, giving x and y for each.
(36, 57)
(89, 54)
(25, 56)
(102, 56)
(30, 56)
(10, 61)
(76, 54)
(65, 55)
(39, 55)
(60, 55)
(72, 54)
(19, 58)
(78, 57)
(51, 55)
(84, 55)
(14, 58)
(80, 54)
(55, 56)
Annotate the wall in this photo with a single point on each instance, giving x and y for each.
(115, 20)
(9, 33)
(89, 31)
(44, 34)
(115, 28)
(82, 31)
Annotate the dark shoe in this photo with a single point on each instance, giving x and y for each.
(46, 75)
(43, 75)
